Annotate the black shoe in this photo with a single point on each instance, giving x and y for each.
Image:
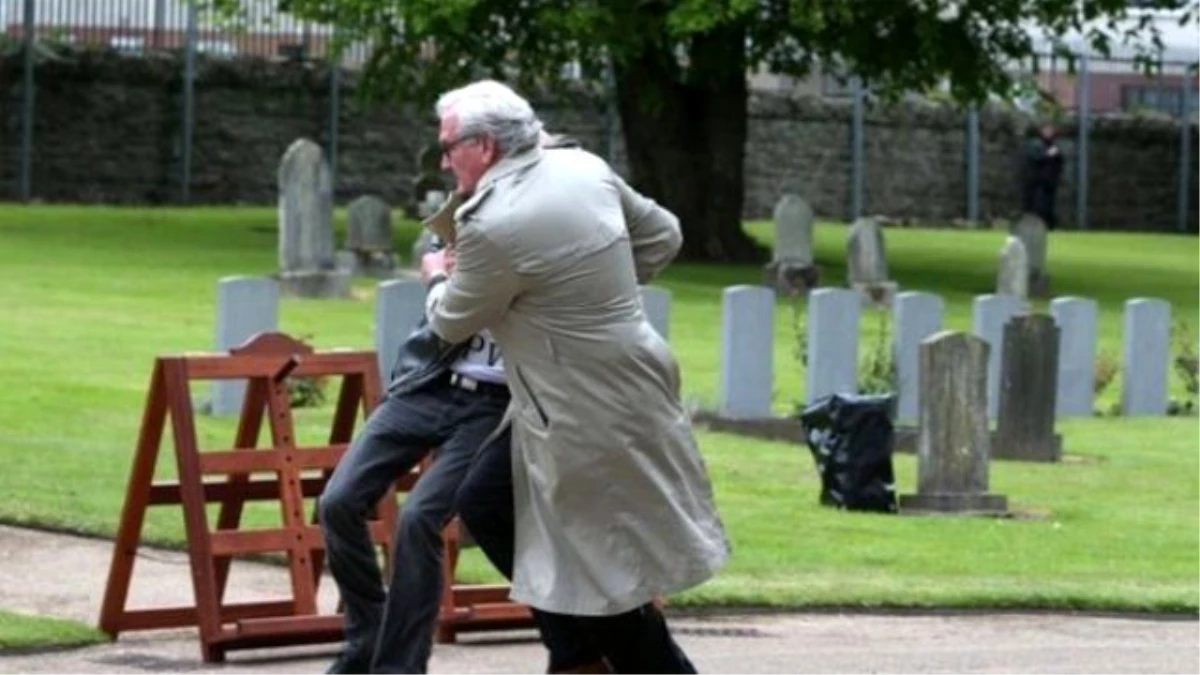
(347, 662)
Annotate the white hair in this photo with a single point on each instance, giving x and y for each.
(490, 108)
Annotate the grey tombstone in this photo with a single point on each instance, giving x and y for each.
(306, 260)
(832, 338)
(866, 262)
(1032, 232)
(369, 237)
(989, 314)
(953, 446)
(1028, 385)
(747, 352)
(791, 269)
(1012, 274)
(1076, 319)
(245, 306)
(917, 316)
(1147, 351)
(656, 303)
(399, 307)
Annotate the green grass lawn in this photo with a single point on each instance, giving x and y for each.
(19, 632)
(93, 294)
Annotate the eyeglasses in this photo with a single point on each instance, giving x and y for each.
(449, 146)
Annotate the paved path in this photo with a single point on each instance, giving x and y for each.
(64, 576)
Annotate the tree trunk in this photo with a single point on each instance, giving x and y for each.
(685, 137)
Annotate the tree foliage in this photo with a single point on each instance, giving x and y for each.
(422, 46)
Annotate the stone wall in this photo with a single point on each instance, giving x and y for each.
(107, 130)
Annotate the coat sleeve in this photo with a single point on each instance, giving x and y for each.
(653, 231)
(477, 294)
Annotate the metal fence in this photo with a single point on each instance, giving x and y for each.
(1094, 88)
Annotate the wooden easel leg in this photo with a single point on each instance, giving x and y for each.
(191, 494)
(137, 498)
(283, 436)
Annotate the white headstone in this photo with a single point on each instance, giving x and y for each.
(918, 315)
(989, 315)
(1147, 351)
(747, 352)
(832, 326)
(245, 306)
(1076, 319)
(656, 303)
(399, 307)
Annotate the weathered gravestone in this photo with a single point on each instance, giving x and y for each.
(1012, 275)
(791, 269)
(369, 238)
(1076, 319)
(866, 262)
(917, 316)
(1147, 351)
(1032, 232)
(307, 267)
(747, 352)
(953, 446)
(1028, 385)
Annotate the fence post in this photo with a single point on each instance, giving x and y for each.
(335, 94)
(189, 81)
(25, 187)
(1083, 105)
(856, 148)
(973, 164)
(1185, 151)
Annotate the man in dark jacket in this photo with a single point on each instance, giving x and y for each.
(450, 397)
(1043, 163)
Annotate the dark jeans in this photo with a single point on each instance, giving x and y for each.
(637, 641)
(393, 631)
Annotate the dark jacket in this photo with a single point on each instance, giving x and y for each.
(422, 358)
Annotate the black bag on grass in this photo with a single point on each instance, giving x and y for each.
(851, 441)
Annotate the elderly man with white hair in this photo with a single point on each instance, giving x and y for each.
(610, 504)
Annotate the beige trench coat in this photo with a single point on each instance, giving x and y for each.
(614, 504)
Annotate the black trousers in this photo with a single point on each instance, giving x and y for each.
(637, 641)
(391, 628)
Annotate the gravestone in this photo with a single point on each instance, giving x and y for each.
(953, 446)
(918, 315)
(747, 352)
(307, 267)
(791, 270)
(245, 306)
(989, 314)
(1029, 379)
(1147, 351)
(866, 262)
(429, 178)
(656, 303)
(369, 238)
(1012, 275)
(399, 307)
(832, 339)
(1076, 319)
(1032, 232)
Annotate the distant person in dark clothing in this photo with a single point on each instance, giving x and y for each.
(1043, 163)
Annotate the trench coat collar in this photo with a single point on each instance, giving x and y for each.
(444, 222)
